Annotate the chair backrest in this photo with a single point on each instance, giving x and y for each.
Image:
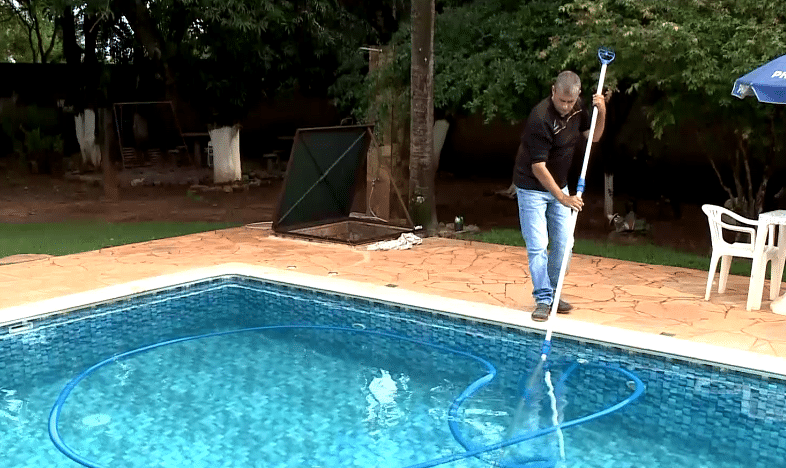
(715, 216)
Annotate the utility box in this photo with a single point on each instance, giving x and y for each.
(324, 191)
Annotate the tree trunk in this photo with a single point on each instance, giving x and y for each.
(145, 30)
(71, 49)
(85, 124)
(608, 196)
(422, 166)
(109, 145)
(163, 54)
(226, 154)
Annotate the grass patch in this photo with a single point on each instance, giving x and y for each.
(644, 253)
(82, 236)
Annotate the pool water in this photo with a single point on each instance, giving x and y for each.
(347, 396)
(263, 399)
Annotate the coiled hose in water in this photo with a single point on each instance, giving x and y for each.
(471, 450)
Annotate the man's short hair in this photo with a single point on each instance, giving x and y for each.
(568, 81)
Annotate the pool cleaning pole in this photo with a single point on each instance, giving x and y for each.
(606, 56)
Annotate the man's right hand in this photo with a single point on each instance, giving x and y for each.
(574, 202)
(543, 175)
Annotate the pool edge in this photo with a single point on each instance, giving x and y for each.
(747, 361)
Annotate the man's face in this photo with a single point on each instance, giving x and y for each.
(563, 100)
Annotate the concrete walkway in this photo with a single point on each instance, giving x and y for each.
(652, 299)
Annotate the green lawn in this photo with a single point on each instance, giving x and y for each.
(80, 236)
(644, 253)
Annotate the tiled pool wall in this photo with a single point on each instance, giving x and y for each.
(729, 411)
(68, 341)
(687, 400)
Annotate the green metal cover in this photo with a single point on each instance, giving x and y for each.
(322, 174)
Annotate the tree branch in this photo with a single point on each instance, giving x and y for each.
(768, 164)
(24, 17)
(52, 41)
(758, 202)
(71, 49)
(18, 12)
(138, 16)
(746, 162)
(37, 30)
(720, 179)
(736, 172)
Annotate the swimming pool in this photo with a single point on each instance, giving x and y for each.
(342, 396)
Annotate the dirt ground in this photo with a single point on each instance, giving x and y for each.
(164, 195)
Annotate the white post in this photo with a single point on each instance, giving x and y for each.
(85, 124)
(226, 154)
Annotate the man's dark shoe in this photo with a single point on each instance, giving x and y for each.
(541, 312)
(563, 307)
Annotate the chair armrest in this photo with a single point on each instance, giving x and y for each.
(740, 219)
(742, 229)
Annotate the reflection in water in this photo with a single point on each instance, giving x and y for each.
(11, 406)
(123, 372)
(13, 410)
(385, 401)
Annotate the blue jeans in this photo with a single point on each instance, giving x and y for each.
(544, 222)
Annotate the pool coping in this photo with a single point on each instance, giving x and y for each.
(18, 317)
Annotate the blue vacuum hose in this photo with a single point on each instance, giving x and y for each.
(473, 388)
(474, 451)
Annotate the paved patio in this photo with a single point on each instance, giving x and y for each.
(652, 299)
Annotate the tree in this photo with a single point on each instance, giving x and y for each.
(421, 157)
(497, 57)
(95, 26)
(683, 57)
(223, 57)
(214, 58)
(30, 32)
(490, 57)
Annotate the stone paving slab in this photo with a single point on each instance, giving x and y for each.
(21, 258)
(632, 296)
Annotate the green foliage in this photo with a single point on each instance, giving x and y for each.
(32, 130)
(647, 253)
(36, 142)
(236, 53)
(370, 97)
(681, 58)
(388, 87)
(29, 32)
(684, 55)
(14, 44)
(351, 90)
(497, 57)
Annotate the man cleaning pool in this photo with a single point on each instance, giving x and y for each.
(555, 128)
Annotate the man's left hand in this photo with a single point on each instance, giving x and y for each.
(600, 102)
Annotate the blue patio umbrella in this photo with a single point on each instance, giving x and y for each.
(767, 83)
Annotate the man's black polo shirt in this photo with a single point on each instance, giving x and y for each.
(552, 138)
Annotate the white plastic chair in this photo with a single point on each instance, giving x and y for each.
(723, 250)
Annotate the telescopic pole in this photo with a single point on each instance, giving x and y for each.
(606, 56)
